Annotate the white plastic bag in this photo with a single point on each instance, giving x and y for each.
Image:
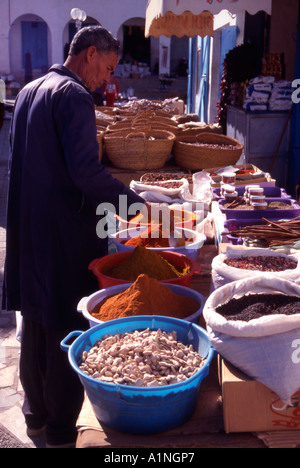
(202, 190)
(267, 349)
(223, 274)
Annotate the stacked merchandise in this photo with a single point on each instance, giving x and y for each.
(265, 94)
(281, 96)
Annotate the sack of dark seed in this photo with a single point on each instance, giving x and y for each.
(236, 264)
(254, 323)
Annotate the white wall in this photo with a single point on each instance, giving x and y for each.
(56, 13)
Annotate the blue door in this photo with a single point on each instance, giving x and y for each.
(198, 76)
(35, 42)
(203, 74)
(199, 65)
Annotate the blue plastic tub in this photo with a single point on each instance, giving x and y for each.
(141, 410)
(87, 304)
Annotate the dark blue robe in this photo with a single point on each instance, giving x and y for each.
(56, 184)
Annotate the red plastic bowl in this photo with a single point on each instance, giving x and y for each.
(178, 260)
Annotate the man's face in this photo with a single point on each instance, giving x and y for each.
(99, 68)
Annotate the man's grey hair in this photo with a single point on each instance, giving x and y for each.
(96, 36)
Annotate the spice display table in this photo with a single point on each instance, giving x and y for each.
(205, 429)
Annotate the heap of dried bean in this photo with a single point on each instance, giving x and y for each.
(141, 358)
(273, 233)
(269, 263)
(253, 306)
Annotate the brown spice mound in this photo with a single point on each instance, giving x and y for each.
(145, 261)
(146, 296)
(254, 306)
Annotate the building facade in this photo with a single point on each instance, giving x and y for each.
(44, 30)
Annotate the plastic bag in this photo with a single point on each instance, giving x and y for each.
(267, 349)
(202, 189)
(223, 274)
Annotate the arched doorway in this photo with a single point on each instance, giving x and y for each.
(29, 41)
(136, 47)
(70, 31)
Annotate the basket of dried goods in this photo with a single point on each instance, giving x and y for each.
(207, 150)
(192, 129)
(139, 150)
(152, 120)
(103, 119)
(144, 399)
(124, 125)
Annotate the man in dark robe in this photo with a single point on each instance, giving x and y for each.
(56, 185)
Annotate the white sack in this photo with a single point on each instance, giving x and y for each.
(223, 274)
(266, 349)
(160, 194)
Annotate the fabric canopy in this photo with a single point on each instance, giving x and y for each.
(194, 17)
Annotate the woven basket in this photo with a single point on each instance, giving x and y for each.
(120, 126)
(192, 156)
(153, 125)
(182, 134)
(139, 150)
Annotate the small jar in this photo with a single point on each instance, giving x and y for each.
(228, 178)
(226, 188)
(230, 196)
(248, 187)
(260, 206)
(256, 191)
(257, 199)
